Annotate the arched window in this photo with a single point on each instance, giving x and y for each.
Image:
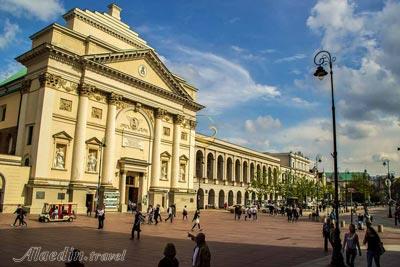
(199, 164)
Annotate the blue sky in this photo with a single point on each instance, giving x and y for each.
(253, 65)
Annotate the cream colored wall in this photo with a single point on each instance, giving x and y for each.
(14, 182)
(12, 108)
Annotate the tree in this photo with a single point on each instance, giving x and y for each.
(361, 184)
(258, 186)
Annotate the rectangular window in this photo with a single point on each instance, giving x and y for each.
(184, 136)
(61, 196)
(3, 109)
(40, 195)
(65, 104)
(167, 131)
(97, 113)
(30, 135)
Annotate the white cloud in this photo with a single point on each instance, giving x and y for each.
(291, 58)
(237, 48)
(262, 123)
(222, 83)
(10, 30)
(44, 10)
(9, 69)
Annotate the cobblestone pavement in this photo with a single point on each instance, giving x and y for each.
(269, 241)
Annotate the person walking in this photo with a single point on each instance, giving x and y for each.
(326, 230)
(169, 259)
(101, 214)
(201, 253)
(89, 209)
(196, 220)
(150, 213)
(374, 246)
(157, 214)
(170, 212)
(254, 212)
(139, 218)
(20, 216)
(350, 245)
(184, 213)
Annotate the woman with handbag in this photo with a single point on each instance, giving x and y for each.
(374, 246)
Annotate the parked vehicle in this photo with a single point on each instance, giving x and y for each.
(58, 212)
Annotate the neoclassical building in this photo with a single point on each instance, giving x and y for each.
(96, 117)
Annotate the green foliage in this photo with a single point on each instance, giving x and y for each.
(361, 184)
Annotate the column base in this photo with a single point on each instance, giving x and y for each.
(225, 182)
(123, 208)
(216, 181)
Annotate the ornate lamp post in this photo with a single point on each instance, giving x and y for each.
(388, 183)
(321, 59)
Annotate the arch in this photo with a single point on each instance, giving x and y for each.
(258, 174)
(237, 171)
(200, 198)
(230, 198)
(210, 166)
(220, 168)
(132, 112)
(252, 174)
(246, 198)
(211, 198)
(221, 199)
(275, 181)
(2, 190)
(245, 168)
(264, 175)
(239, 198)
(269, 175)
(229, 169)
(265, 197)
(199, 164)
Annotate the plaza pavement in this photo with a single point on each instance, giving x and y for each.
(269, 241)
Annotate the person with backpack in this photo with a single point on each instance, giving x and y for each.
(326, 229)
(350, 245)
(374, 246)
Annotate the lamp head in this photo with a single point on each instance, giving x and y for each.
(320, 72)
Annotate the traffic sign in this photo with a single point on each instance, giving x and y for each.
(388, 182)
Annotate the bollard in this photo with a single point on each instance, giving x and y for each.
(380, 228)
(343, 224)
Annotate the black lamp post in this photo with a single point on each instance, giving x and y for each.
(317, 160)
(322, 59)
(388, 184)
(200, 178)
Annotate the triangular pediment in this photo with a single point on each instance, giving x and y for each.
(144, 65)
(62, 135)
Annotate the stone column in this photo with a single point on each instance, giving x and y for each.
(215, 168)
(109, 150)
(178, 119)
(19, 149)
(78, 156)
(156, 164)
(122, 190)
(248, 172)
(225, 170)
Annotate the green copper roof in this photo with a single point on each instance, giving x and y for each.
(344, 176)
(21, 73)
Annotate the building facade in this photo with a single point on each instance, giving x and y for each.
(97, 117)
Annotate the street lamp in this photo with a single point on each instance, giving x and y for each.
(100, 199)
(200, 178)
(321, 59)
(317, 160)
(388, 183)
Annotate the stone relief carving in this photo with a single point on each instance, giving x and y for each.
(56, 82)
(65, 104)
(134, 122)
(160, 113)
(97, 113)
(25, 86)
(114, 99)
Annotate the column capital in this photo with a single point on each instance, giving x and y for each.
(192, 124)
(25, 86)
(114, 99)
(49, 79)
(160, 113)
(85, 89)
(178, 119)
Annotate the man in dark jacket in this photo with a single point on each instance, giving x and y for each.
(201, 253)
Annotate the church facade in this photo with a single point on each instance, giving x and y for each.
(98, 118)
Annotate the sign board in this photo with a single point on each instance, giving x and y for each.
(388, 183)
(111, 200)
(128, 141)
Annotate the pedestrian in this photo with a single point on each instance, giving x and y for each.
(247, 213)
(169, 259)
(89, 209)
(238, 212)
(397, 215)
(254, 212)
(374, 246)
(196, 220)
(134, 207)
(326, 230)
(170, 214)
(157, 214)
(332, 234)
(184, 213)
(150, 214)
(360, 223)
(75, 259)
(289, 214)
(19, 212)
(174, 209)
(201, 253)
(101, 214)
(139, 218)
(350, 245)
